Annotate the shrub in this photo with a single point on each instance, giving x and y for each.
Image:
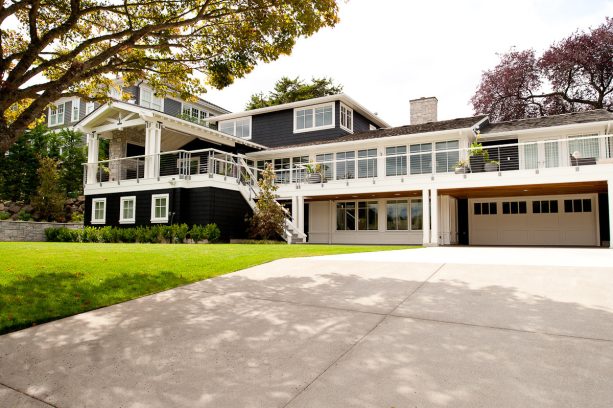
(107, 235)
(23, 215)
(180, 232)
(77, 217)
(127, 235)
(197, 233)
(49, 198)
(212, 232)
(66, 235)
(4, 215)
(51, 234)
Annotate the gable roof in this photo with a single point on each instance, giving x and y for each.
(443, 125)
(597, 115)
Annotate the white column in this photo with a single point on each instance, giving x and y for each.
(295, 210)
(149, 136)
(157, 144)
(435, 216)
(610, 184)
(93, 147)
(301, 213)
(425, 205)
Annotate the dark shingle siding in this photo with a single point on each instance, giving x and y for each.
(172, 107)
(597, 115)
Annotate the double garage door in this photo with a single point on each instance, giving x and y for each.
(545, 220)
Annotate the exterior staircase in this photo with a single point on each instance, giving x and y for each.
(250, 191)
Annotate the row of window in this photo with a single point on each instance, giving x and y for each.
(127, 209)
(401, 215)
(57, 112)
(538, 207)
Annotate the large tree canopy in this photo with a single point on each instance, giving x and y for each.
(55, 48)
(292, 90)
(574, 74)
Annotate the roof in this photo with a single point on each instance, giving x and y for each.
(308, 102)
(452, 124)
(597, 115)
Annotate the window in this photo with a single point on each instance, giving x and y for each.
(485, 208)
(372, 127)
(89, 108)
(56, 115)
(326, 161)
(545, 207)
(299, 165)
(416, 215)
(420, 161)
(584, 147)
(194, 113)
(98, 210)
(149, 100)
(159, 208)
(395, 161)
(367, 163)
(75, 110)
(115, 92)
(578, 205)
(345, 165)
(237, 127)
(282, 170)
(346, 118)
(514, 207)
(397, 215)
(447, 155)
(313, 118)
(127, 210)
(368, 216)
(345, 216)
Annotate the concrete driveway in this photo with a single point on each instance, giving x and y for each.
(435, 327)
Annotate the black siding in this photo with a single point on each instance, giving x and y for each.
(228, 209)
(172, 107)
(360, 123)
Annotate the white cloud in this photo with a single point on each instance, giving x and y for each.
(386, 52)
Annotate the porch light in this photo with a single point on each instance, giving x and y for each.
(119, 123)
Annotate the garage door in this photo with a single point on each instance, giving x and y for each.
(547, 220)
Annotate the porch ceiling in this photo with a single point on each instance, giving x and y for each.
(528, 190)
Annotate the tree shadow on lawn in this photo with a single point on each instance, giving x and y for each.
(193, 348)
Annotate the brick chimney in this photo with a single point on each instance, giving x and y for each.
(423, 110)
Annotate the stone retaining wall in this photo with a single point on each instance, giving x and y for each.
(12, 231)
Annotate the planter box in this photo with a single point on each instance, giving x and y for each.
(477, 164)
(490, 167)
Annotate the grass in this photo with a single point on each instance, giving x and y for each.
(44, 281)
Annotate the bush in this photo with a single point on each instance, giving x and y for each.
(77, 217)
(127, 235)
(180, 232)
(197, 233)
(212, 232)
(4, 215)
(23, 215)
(51, 234)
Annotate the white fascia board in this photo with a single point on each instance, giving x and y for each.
(563, 128)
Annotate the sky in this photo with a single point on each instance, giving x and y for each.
(387, 52)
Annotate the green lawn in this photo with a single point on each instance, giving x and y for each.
(45, 281)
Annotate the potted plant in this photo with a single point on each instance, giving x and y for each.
(478, 156)
(461, 167)
(314, 175)
(491, 165)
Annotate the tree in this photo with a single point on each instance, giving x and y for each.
(49, 198)
(268, 217)
(63, 48)
(71, 162)
(292, 90)
(573, 75)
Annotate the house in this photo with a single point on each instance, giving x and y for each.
(346, 176)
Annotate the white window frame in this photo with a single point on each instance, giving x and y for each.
(76, 103)
(56, 107)
(89, 107)
(312, 108)
(234, 121)
(155, 219)
(150, 102)
(200, 110)
(122, 202)
(343, 117)
(95, 220)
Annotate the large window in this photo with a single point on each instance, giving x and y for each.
(56, 114)
(237, 127)
(367, 163)
(417, 218)
(299, 168)
(282, 170)
(396, 161)
(420, 161)
(345, 216)
(327, 161)
(127, 210)
(346, 118)
(367, 216)
(98, 210)
(313, 118)
(148, 99)
(159, 208)
(447, 155)
(345, 165)
(397, 215)
(194, 113)
(584, 147)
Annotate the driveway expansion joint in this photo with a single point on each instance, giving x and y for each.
(28, 395)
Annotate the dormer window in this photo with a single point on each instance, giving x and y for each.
(314, 118)
(75, 110)
(237, 127)
(194, 113)
(148, 99)
(346, 118)
(56, 115)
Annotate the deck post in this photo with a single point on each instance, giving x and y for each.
(425, 205)
(301, 213)
(93, 146)
(434, 239)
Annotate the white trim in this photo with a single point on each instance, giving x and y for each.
(122, 200)
(234, 122)
(151, 102)
(89, 107)
(154, 219)
(340, 121)
(96, 220)
(76, 102)
(314, 127)
(56, 107)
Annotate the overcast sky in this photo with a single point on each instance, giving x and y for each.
(386, 52)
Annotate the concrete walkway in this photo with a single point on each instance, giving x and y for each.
(435, 327)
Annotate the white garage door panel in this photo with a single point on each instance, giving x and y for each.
(561, 228)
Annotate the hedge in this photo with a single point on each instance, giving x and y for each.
(154, 234)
